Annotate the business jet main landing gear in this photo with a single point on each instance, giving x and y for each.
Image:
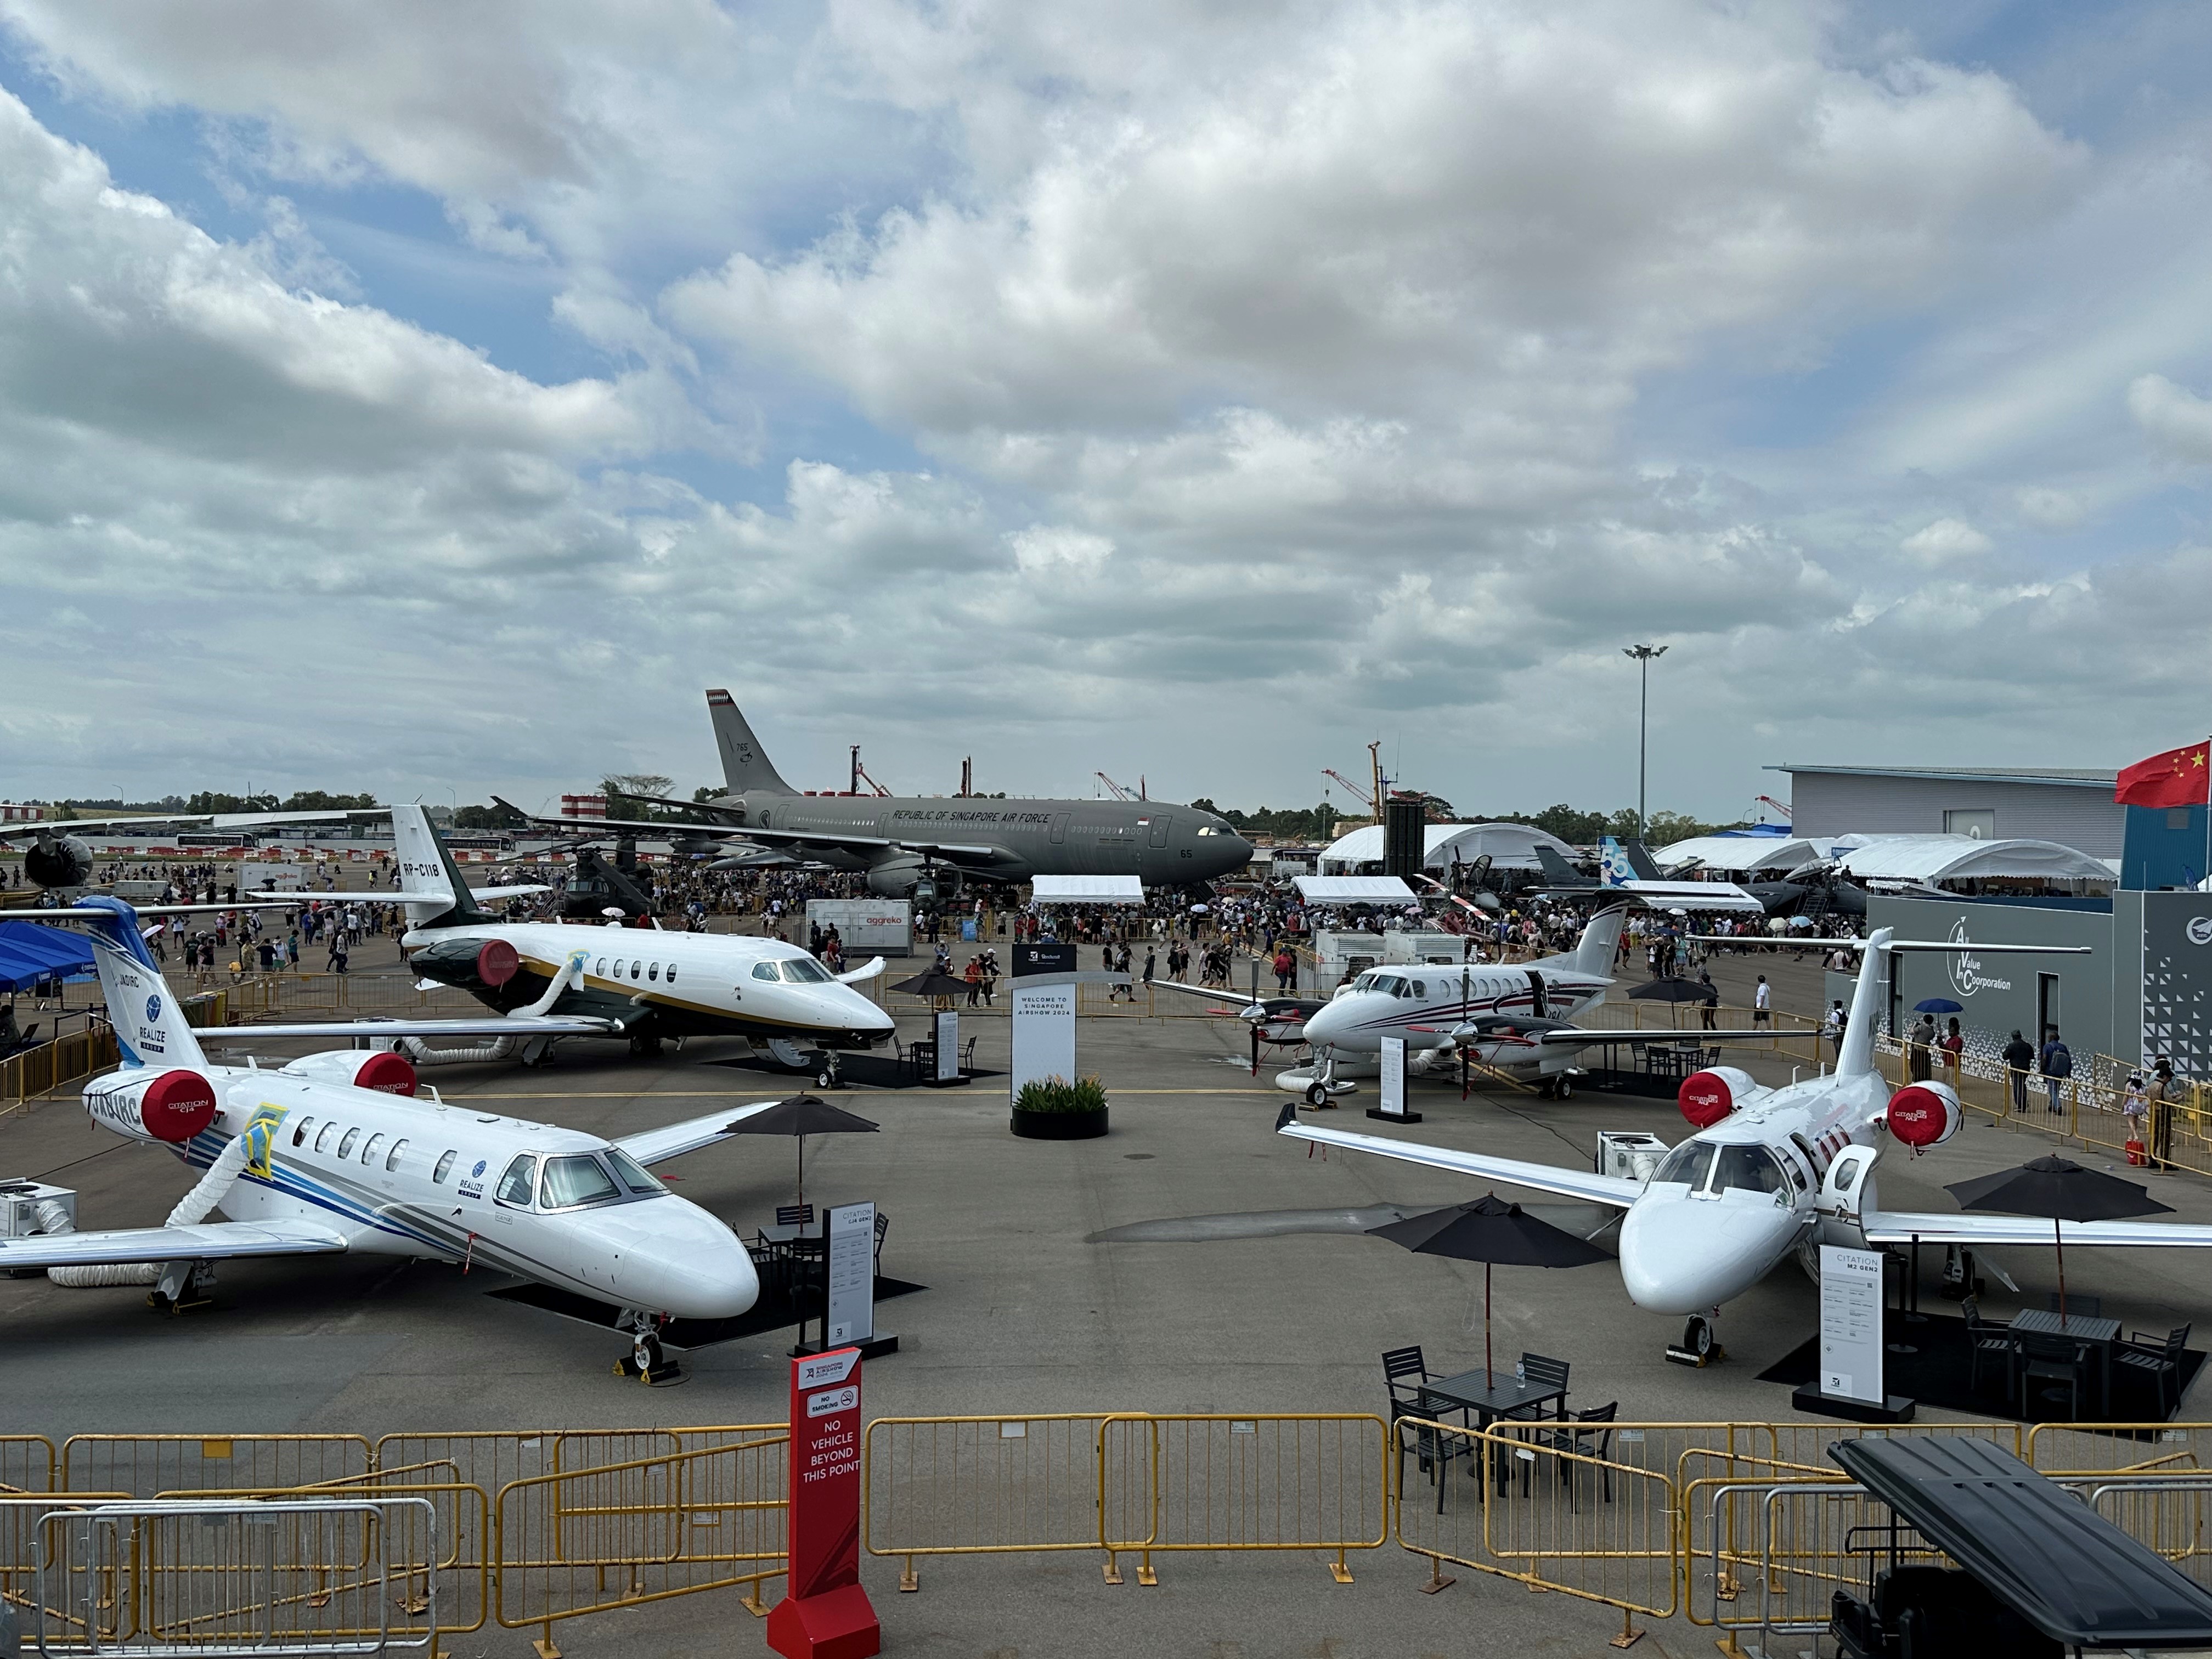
(1561, 1087)
(644, 1045)
(1698, 1347)
(183, 1287)
(648, 1362)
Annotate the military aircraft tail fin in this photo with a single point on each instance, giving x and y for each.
(745, 765)
(1556, 869)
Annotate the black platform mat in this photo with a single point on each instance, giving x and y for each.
(1938, 1374)
(778, 1307)
(867, 1071)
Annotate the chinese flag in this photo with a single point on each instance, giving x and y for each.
(2177, 778)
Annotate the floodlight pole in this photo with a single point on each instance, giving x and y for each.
(1643, 655)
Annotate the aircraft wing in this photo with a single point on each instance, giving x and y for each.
(1236, 998)
(1690, 895)
(659, 1145)
(1985, 1231)
(489, 1025)
(375, 896)
(209, 1241)
(163, 820)
(1585, 1184)
(1583, 1037)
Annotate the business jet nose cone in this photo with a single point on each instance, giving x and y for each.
(1685, 1255)
(674, 1259)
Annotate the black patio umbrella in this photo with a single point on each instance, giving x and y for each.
(800, 1116)
(2064, 1191)
(1495, 1233)
(934, 983)
(1668, 990)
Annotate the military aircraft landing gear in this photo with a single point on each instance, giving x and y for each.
(1698, 1347)
(648, 1361)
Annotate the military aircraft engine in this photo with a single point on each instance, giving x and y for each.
(171, 1107)
(468, 963)
(385, 1073)
(1923, 1115)
(913, 878)
(63, 861)
(1707, 1096)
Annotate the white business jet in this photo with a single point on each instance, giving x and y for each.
(1770, 1172)
(330, 1154)
(640, 983)
(1436, 1007)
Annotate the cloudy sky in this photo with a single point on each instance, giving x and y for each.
(435, 399)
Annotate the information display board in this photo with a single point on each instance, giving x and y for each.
(851, 1312)
(1850, 1324)
(1041, 1003)
(1390, 1084)
(948, 1046)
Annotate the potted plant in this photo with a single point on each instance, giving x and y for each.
(1052, 1108)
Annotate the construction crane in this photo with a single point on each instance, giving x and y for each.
(1371, 798)
(1120, 793)
(860, 776)
(1359, 795)
(1775, 805)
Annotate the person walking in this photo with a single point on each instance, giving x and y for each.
(1920, 1049)
(1709, 1000)
(2019, 1060)
(2056, 1064)
(2159, 1098)
(1286, 968)
(1831, 1027)
(974, 976)
(1762, 1003)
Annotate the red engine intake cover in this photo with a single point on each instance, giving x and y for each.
(1918, 1117)
(177, 1105)
(496, 964)
(1705, 1099)
(387, 1073)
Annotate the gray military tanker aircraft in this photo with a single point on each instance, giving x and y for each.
(923, 847)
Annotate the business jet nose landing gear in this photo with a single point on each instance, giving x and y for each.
(648, 1362)
(1698, 1347)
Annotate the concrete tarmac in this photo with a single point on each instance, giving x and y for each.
(1190, 1261)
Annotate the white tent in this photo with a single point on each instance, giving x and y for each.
(1354, 890)
(1510, 846)
(1087, 889)
(1739, 855)
(1931, 858)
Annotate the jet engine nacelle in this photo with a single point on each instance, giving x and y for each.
(64, 861)
(913, 878)
(469, 962)
(357, 1069)
(167, 1106)
(1923, 1115)
(1707, 1096)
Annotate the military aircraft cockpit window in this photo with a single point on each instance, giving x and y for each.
(634, 1174)
(804, 970)
(1752, 1169)
(515, 1185)
(1689, 1162)
(569, 1182)
(764, 970)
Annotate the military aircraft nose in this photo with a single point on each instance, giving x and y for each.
(670, 1257)
(1685, 1256)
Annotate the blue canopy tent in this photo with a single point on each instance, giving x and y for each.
(32, 953)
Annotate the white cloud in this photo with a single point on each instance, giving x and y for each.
(2177, 420)
(1946, 540)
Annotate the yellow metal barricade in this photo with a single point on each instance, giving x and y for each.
(1267, 1481)
(145, 1464)
(2068, 1448)
(979, 1485)
(27, 1463)
(1550, 1506)
(584, 1540)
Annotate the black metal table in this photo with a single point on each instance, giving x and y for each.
(1505, 1395)
(2099, 1333)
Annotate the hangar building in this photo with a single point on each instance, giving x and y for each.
(2073, 807)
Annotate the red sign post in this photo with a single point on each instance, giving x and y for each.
(824, 1613)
